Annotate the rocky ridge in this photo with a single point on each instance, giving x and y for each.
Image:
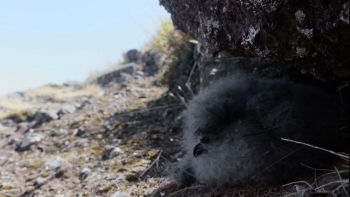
(96, 144)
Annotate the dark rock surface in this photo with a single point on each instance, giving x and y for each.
(312, 35)
(113, 74)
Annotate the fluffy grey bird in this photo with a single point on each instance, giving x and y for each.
(233, 131)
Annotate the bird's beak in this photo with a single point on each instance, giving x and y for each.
(199, 149)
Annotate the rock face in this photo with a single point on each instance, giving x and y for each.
(312, 35)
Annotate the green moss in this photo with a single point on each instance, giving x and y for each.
(152, 131)
(131, 177)
(45, 174)
(153, 154)
(21, 115)
(96, 122)
(79, 123)
(176, 50)
(135, 142)
(106, 188)
(35, 165)
(5, 187)
(180, 65)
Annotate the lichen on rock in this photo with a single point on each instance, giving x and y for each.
(245, 28)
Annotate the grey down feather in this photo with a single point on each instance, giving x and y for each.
(233, 131)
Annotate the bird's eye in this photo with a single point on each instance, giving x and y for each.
(199, 149)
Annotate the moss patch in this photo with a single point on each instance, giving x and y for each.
(131, 177)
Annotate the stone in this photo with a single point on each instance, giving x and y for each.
(16, 95)
(113, 75)
(78, 132)
(152, 62)
(66, 109)
(137, 92)
(119, 194)
(39, 181)
(106, 153)
(85, 172)
(132, 56)
(115, 142)
(54, 163)
(45, 115)
(29, 139)
(85, 102)
(7, 123)
(61, 132)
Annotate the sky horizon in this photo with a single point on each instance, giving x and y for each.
(51, 42)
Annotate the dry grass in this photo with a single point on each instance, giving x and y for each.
(176, 51)
(14, 104)
(23, 108)
(64, 92)
(334, 183)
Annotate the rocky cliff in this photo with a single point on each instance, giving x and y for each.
(311, 35)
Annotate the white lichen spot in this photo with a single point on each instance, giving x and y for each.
(224, 9)
(213, 71)
(209, 28)
(215, 24)
(267, 5)
(251, 36)
(309, 33)
(262, 53)
(299, 16)
(344, 15)
(301, 51)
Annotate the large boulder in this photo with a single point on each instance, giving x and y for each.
(114, 74)
(132, 56)
(312, 35)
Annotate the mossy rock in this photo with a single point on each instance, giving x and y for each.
(45, 174)
(106, 189)
(131, 177)
(21, 116)
(5, 187)
(153, 154)
(152, 132)
(35, 165)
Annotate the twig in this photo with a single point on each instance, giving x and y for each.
(183, 101)
(334, 182)
(183, 92)
(342, 185)
(276, 162)
(316, 168)
(192, 70)
(316, 147)
(188, 83)
(154, 162)
(341, 179)
(298, 182)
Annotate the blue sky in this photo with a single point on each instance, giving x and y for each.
(59, 40)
